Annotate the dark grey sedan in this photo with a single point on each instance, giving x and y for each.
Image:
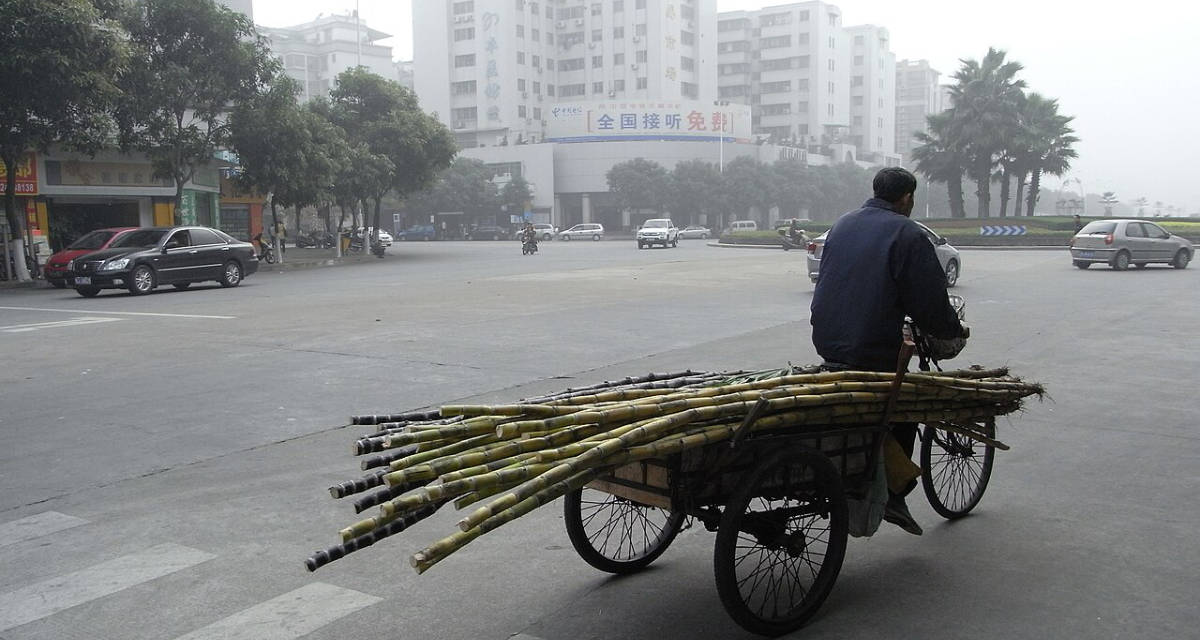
(1120, 243)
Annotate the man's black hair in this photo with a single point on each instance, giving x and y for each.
(893, 183)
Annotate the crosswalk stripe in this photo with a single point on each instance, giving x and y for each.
(36, 526)
(288, 616)
(48, 597)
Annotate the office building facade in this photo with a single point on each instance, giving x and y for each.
(314, 53)
(918, 96)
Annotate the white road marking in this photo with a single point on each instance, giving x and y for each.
(37, 326)
(36, 526)
(48, 597)
(288, 616)
(125, 313)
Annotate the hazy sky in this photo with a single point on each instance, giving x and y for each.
(1129, 73)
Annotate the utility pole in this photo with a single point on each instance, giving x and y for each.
(357, 34)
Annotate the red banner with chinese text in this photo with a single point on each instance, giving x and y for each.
(27, 182)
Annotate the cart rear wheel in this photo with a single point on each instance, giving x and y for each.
(781, 542)
(956, 469)
(615, 534)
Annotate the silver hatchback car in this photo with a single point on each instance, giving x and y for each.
(1120, 243)
(947, 255)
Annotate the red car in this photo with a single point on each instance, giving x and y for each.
(56, 266)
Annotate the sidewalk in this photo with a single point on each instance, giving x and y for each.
(295, 258)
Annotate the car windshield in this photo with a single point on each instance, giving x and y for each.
(93, 240)
(140, 238)
(1099, 227)
(656, 224)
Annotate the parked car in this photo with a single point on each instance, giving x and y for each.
(695, 232)
(1120, 243)
(385, 238)
(947, 255)
(585, 230)
(742, 225)
(145, 258)
(56, 266)
(658, 231)
(487, 232)
(418, 232)
(785, 223)
(544, 232)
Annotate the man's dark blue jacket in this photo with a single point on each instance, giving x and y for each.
(876, 267)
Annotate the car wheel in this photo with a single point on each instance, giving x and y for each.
(231, 274)
(1121, 261)
(595, 237)
(546, 237)
(87, 292)
(182, 285)
(641, 245)
(495, 237)
(142, 280)
(566, 238)
(59, 284)
(704, 236)
(951, 273)
(1181, 259)
(675, 242)
(1080, 264)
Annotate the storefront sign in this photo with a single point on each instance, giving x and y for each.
(27, 181)
(80, 173)
(648, 120)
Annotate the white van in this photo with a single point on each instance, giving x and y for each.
(743, 225)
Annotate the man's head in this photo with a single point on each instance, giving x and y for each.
(897, 186)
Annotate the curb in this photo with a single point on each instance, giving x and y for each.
(960, 247)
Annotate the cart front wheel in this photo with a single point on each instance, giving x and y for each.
(781, 542)
(956, 469)
(615, 534)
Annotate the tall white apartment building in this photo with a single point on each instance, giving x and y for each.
(791, 64)
(491, 69)
(314, 53)
(872, 91)
(918, 96)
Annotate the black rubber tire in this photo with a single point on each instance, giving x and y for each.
(269, 257)
(566, 238)
(231, 274)
(595, 237)
(1080, 264)
(955, 470)
(142, 280)
(88, 292)
(813, 486)
(951, 274)
(675, 242)
(546, 237)
(1181, 259)
(1120, 262)
(625, 523)
(181, 286)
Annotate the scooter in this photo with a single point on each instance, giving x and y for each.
(529, 246)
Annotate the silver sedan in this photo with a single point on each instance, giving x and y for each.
(947, 255)
(695, 232)
(1120, 243)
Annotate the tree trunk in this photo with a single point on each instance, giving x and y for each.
(1005, 188)
(16, 223)
(957, 206)
(297, 228)
(1035, 183)
(1017, 202)
(983, 188)
(275, 232)
(178, 202)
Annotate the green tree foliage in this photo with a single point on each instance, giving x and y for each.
(466, 186)
(406, 147)
(516, 195)
(638, 184)
(940, 158)
(59, 63)
(695, 189)
(192, 61)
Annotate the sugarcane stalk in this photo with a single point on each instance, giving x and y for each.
(970, 433)
(336, 552)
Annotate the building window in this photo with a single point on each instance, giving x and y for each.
(466, 88)
(830, 87)
(464, 7)
(687, 38)
(856, 81)
(879, 122)
(597, 35)
(618, 58)
(776, 109)
(774, 19)
(463, 114)
(521, 111)
(833, 18)
(549, 64)
(467, 33)
(572, 90)
(549, 12)
(597, 87)
(537, 113)
(802, 85)
(618, 6)
(858, 60)
(534, 34)
(597, 62)
(570, 13)
(690, 90)
(832, 42)
(641, 83)
(520, 31)
(858, 41)
(520, 84)
(856, 101)
(537, 61)
(618, 32)
(464, 61)
(687, 64)
(803, 15)
(596, 8)
(830, 109)
(639, 4)
(783, 86)
(802, 38)
(773, 65)
(802, 129)
(802, 62)
(641, 56)
(687, 12)
(802, 107)
(520, 57)
(639, 29)
(537, 87)
(618, 85)
(549, 38)
(520, 5)
(858, 121)
(574, 64)
(549, 89)
(831, 64)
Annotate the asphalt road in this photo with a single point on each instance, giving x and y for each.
(164, 459)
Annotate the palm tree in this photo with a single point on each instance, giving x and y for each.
(986, 99)
(1047, 142)
(1141, 203)
(940, 159)
(1108, 199)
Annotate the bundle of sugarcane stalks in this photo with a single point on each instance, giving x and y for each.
(518, 457)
